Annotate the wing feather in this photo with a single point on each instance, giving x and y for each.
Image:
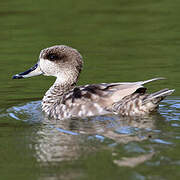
(105, 94)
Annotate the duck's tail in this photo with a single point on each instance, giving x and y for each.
(140, 104)
(156, 97)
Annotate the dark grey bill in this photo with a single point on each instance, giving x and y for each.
(34, 71)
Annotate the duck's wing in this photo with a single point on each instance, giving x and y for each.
(124, 89)
(104, 94)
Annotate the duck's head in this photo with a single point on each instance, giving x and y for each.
(60, 61)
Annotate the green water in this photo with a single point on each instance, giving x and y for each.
(120, 41)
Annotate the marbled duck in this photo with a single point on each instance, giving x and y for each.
(66, 100)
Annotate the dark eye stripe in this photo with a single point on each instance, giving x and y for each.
(52, 57)
(55, 57)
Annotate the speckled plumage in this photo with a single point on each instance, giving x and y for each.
(66, 100)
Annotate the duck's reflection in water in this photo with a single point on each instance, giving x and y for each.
(66, 140)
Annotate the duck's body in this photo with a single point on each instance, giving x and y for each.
(66, 100)
(127, 99)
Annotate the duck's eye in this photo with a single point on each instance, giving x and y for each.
(52, 57)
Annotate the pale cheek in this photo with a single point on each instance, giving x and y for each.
(48, 67)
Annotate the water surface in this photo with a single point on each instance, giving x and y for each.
(120, 41)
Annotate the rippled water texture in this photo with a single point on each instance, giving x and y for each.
(110, 141)
(120, 41)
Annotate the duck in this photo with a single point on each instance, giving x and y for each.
(65, 99)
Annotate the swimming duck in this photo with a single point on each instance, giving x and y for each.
(66, 100)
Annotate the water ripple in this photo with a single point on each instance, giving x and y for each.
(60, 140)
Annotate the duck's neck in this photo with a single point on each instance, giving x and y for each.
(55, 95)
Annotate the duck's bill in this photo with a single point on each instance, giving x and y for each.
(34, 71)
